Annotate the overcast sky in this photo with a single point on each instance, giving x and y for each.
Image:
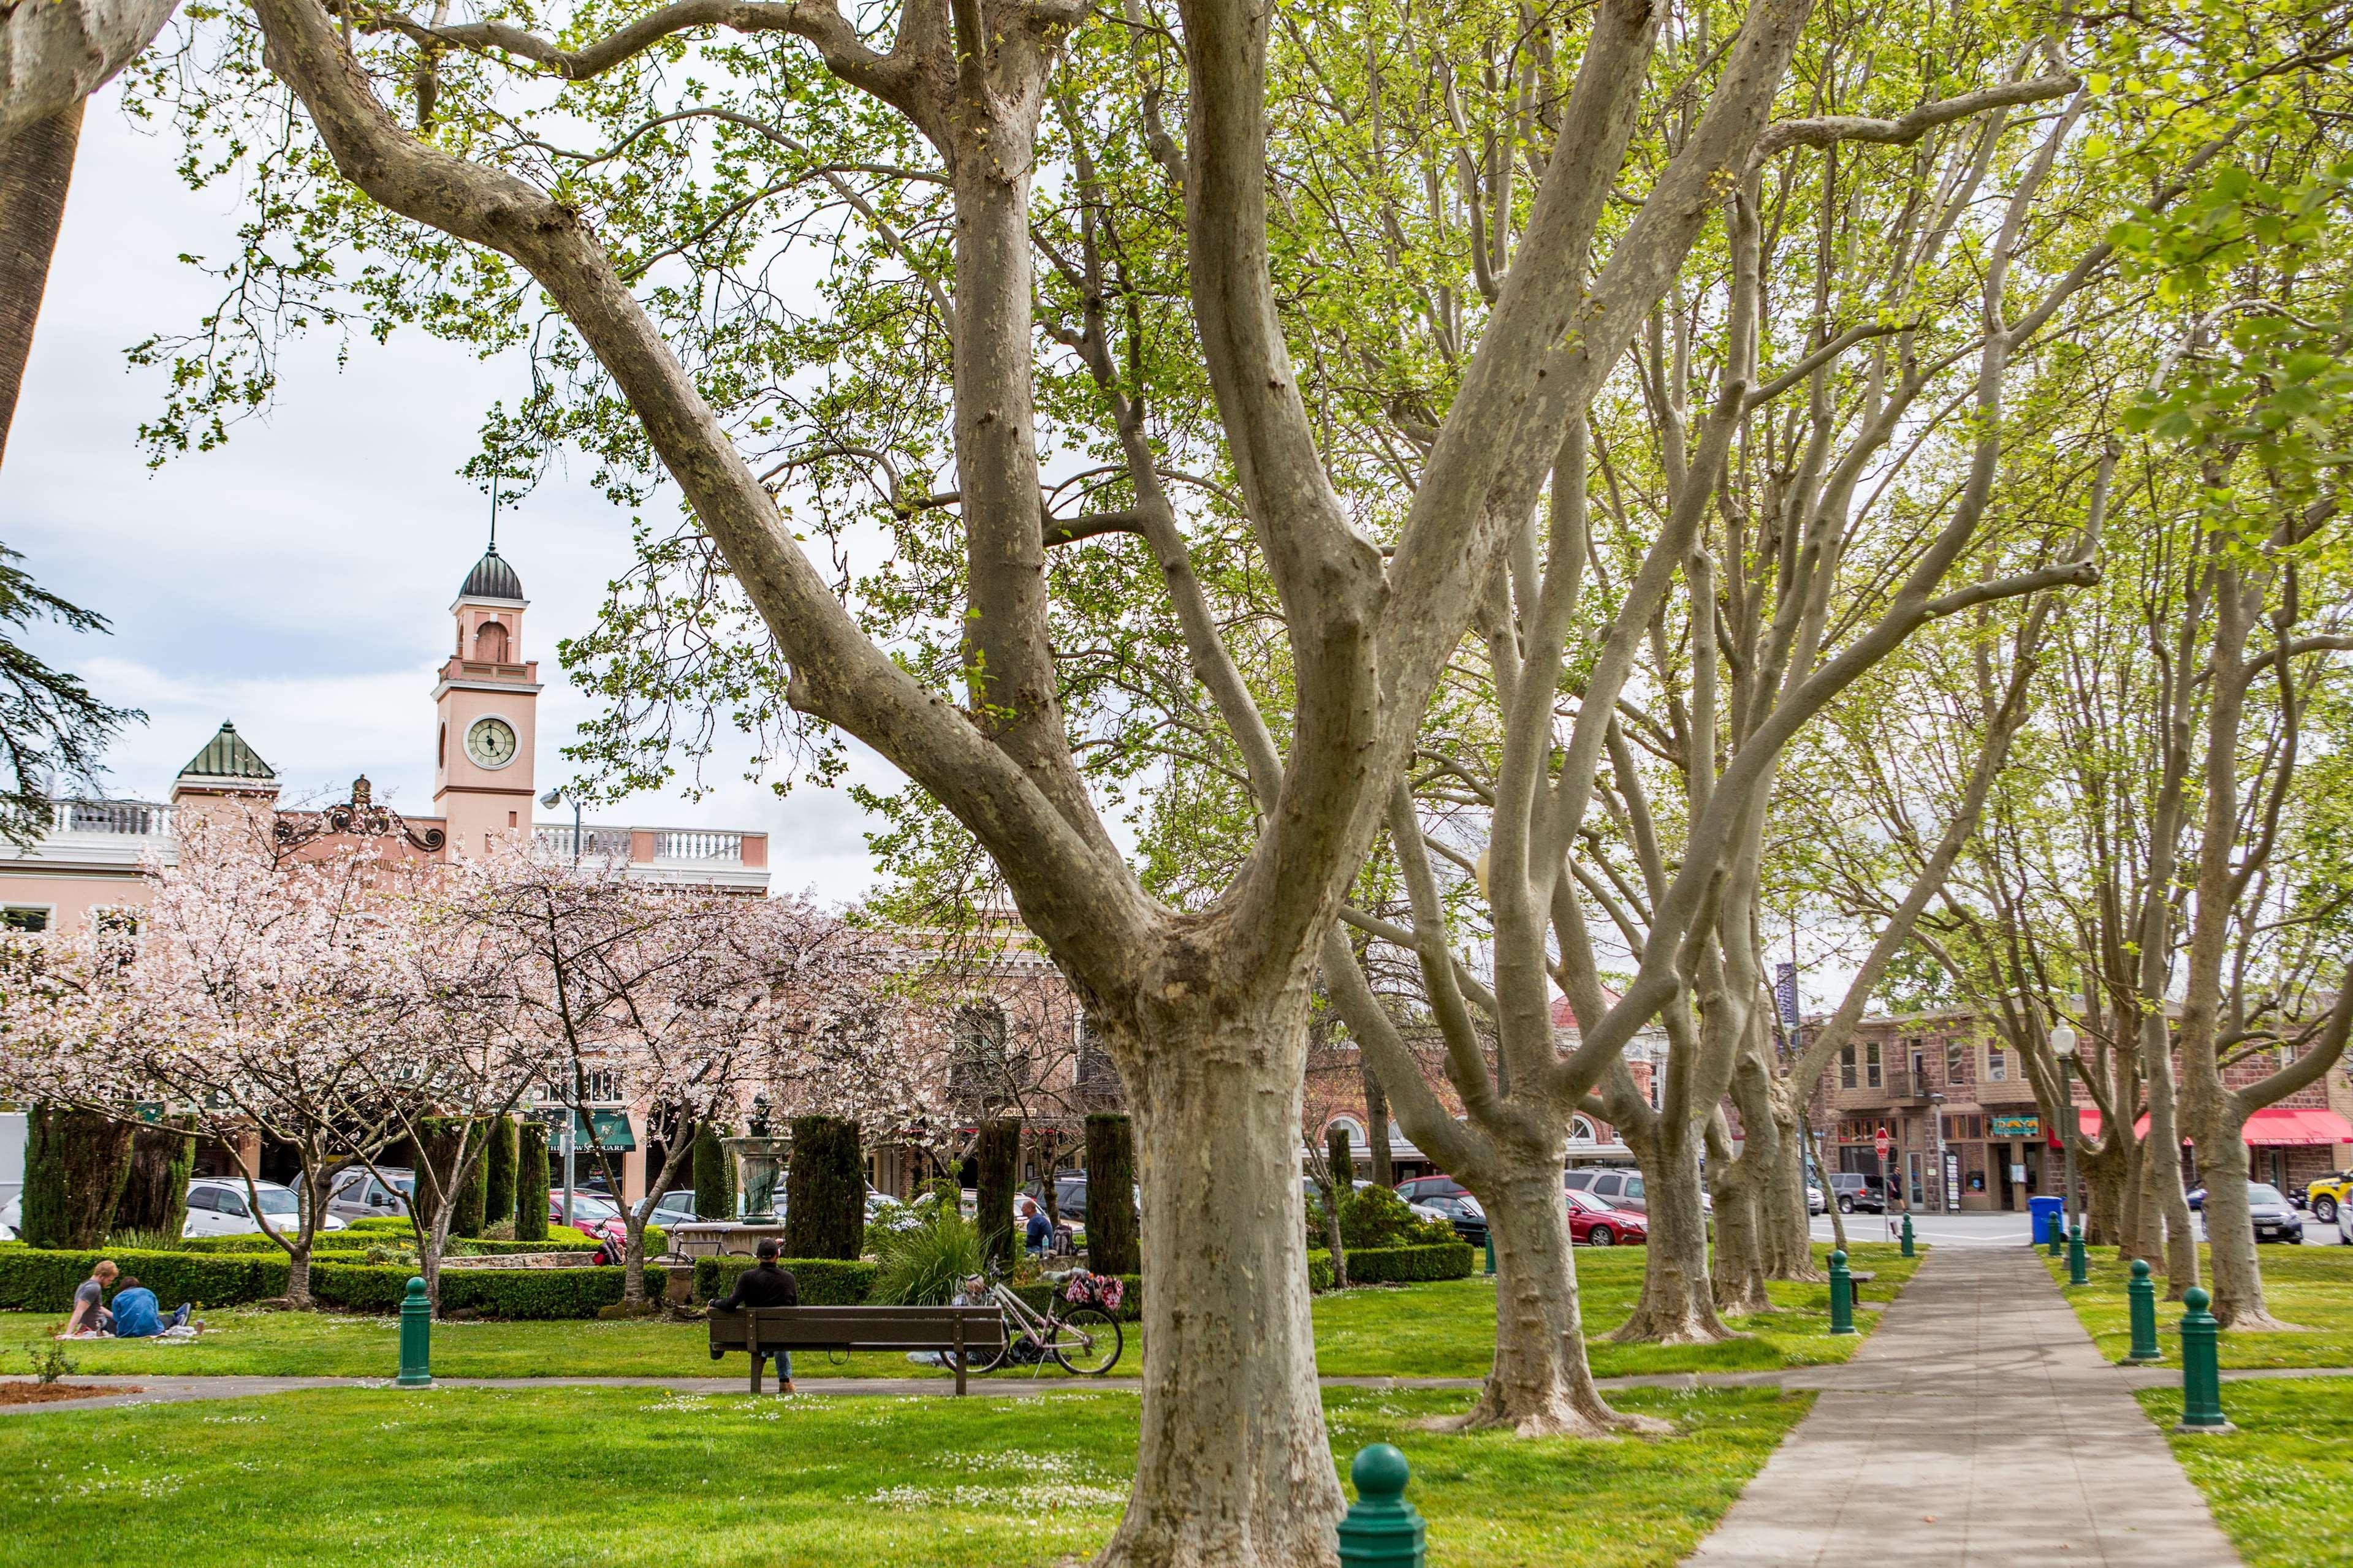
(298, 579)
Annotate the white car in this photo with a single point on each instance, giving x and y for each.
(219, 1206)
(12, 1220)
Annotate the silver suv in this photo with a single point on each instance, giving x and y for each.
(357, 1195)
(1619, 1188)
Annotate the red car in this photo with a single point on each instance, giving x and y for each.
(1593, 1223)
(593, 1214)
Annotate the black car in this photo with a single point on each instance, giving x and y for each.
(1852, 1190)
(1461, 1211)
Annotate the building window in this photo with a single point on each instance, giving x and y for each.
(491, 643)
(1957, 1061)
(109, 921)
(1997, 1063)
(1871, 1075)
(1846, 1066)
(26, 917)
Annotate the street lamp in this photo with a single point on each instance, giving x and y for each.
(554, 798)
(2062, 1045)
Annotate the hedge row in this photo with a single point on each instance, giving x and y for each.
(38, 1280)
(824, 1282)
(1396, 1265)
(360, 1241)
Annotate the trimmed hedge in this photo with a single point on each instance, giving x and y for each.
(37, 1279)
(824, 1282)
(499, 1172)
(512, 1293)
(824, 1190)
(1111, 1228)
(531, 1182)
(76, 1165)
(155, 1196)
(380, 1222)
(355, 1240)
(1396, 1265)
(715, 1175)
(998, 1150)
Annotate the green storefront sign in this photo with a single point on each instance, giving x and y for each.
(2013, 1127)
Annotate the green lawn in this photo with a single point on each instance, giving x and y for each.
(1444, 1330)
(2311, 1287)
(2277, 1485)
(581, 1476)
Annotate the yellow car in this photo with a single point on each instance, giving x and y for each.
(2327, 1195)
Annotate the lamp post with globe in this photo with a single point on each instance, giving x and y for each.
(2062, 1045)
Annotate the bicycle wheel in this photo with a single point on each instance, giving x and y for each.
(978, 1362)
(1088, 1342)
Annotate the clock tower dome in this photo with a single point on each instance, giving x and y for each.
(485, 708)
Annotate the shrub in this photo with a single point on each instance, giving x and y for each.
(378, 1223)
(560, 1239)
(1377, 1217)
(715, 1175)
(156, 1192)
(998, 1151)
(76, 1163)
(824, 1282)
(37, 1280)
(499, 1176)
(1396, 1265)
(531, 1182)
(824, 1190)
(1111, 1228)
(922, 1262)
(514, 1293)
(325, 1242)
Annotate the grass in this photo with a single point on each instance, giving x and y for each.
(586, 1477)
(2277, 1485)
(1443, 1330)
(2311, 1287)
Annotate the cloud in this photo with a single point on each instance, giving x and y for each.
(298, 579)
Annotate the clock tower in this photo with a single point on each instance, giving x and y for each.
(485, 711)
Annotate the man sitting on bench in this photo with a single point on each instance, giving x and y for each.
(766, 1285)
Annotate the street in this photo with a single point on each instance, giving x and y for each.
(1984, 1229)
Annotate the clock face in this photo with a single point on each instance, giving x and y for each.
(491, 742)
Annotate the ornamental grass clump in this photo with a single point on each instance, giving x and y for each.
(924, 1261)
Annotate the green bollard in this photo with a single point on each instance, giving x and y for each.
(1842, 1296)
(2058, 1236)
(2078, 1267)
(1382, 1529)
(1907, 1234)
(1490, 1252)
(416, 1339)
(2143, 1294)
(2201, 1375)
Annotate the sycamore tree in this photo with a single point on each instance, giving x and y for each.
(512, 172)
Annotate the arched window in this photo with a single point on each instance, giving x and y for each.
(1580, 1130)
(491, 643)
(1355, 1128)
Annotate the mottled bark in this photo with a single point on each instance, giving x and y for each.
(1785, 1228)
(1677, 1306)
(34, 170)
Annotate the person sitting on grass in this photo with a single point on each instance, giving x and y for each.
(137, 1314)
(766, 1285)
(91, 1319)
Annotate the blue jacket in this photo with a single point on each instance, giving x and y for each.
(135, 1317)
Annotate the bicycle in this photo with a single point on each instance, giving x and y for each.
(1082, 1334)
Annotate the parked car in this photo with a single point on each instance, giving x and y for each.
(593, 1214)
(676, 1207)
(12, 1220)
(1592, 1222)
(2327, 1195)
(1421, 1189)
(2196, 1198)
(219, 1205)
(1308, 1185)
(2275, 1220)
(1460, 1210)
(359, 1195)
(1616, 1187)
(1853, 1190)
(1815, 1202)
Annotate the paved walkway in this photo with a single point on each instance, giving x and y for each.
(1977, 1425)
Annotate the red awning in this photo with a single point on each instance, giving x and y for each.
(2273, 1127)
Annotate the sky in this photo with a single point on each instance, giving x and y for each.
(298, 581)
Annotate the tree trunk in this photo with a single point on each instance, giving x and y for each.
(1376, 1127)
(34, 170)
(2104, 1197)
(2161, 1189)
(2238, 1278)
(1233, 1466)
(298, 1274)
(1541, 1384)
(1111, 1194)
(1738, 1275)
(1787, 1226)
(633, 1257)
(1678, 1303)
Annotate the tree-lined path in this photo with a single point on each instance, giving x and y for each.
(1977, 1425)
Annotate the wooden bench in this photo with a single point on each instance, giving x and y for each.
(952, 1331)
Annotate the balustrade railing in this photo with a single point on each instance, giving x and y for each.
(697, 844)
(133, 818)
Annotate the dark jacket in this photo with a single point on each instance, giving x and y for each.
(762, 1285)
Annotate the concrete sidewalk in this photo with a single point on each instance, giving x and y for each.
(1976, 1424)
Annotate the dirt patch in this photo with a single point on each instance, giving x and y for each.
(50, 1392)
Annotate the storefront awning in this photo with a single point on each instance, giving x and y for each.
(2274, 1127)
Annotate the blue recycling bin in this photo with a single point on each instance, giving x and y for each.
(2048, 1220)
